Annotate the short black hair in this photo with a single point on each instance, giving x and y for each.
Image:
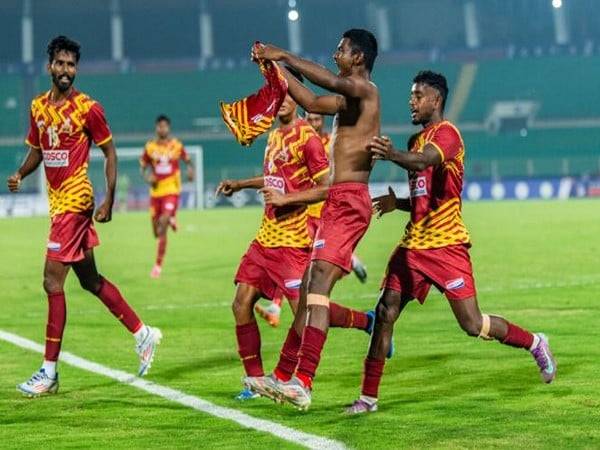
(363, 41)
(163, 118)
(436, 81)
(297, 75)
(63, 43)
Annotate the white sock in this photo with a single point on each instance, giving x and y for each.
(140, 334)
(536, 341)
(50, 368)
(368, 400)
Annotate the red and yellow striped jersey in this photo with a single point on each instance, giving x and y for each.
(315, 209)
(294, 157)
(163, 158)
(63, 132)
(435, 193)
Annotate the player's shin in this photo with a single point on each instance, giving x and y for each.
(248, 339)
(57, 316)
(342, 317)
(496, 327)
(288, 359)
(161, 249)
(114, 301)
(313, 338)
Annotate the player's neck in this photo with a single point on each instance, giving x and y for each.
(58, 96)
(285, 122)
(163, 140)
(435, 119)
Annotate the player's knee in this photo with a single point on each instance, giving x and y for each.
(241, 306)
(51, 285)
(471, 325)
(386, 313)
(319, 278)
(90, 284)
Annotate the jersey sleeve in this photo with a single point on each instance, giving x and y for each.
(447, 141)
(97, 125)
(33, 137)
(315, 157)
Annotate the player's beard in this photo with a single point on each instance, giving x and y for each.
(62, 87)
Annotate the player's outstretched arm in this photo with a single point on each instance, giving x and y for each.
(382, 148)
(229, 187)
(312, 103)
(307, 197)
(104, 211)
(389, 202)
(316, 73)
(32, 161)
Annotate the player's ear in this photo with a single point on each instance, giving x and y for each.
(358, 58)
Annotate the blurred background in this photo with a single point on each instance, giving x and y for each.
(524, 79)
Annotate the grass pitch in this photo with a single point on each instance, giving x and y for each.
(536, 263)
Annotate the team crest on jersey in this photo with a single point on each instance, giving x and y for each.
(456, 283)
(319, 243)
(293, 283)
(66, 127)
(418, 186)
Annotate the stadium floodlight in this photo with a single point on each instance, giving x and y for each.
(557, 4)
(293, 15)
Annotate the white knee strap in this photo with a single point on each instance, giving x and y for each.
(484, 333)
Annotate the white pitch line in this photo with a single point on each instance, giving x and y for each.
(191, 401)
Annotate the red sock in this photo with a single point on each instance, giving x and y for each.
(114, 301)
(342, 317)
(518, 337)
(57, 316)
(248, 338)
(162, 248)
(309, 355)
(373, 372)
(288, 359)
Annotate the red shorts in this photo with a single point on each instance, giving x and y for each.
(312, 224)
(273, 271)
(344, 221)
(163, 206)
(71, 234)
(413, 272)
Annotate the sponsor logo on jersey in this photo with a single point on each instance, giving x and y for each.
(56, 158)
(277, 183)
(456, 283)
(293, 283)
(53, 246)
(319, 243)
(418, 186)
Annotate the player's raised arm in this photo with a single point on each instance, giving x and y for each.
(311, 102)
(104, 211)
(382, 148)
(316, 73)
(32, 161)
